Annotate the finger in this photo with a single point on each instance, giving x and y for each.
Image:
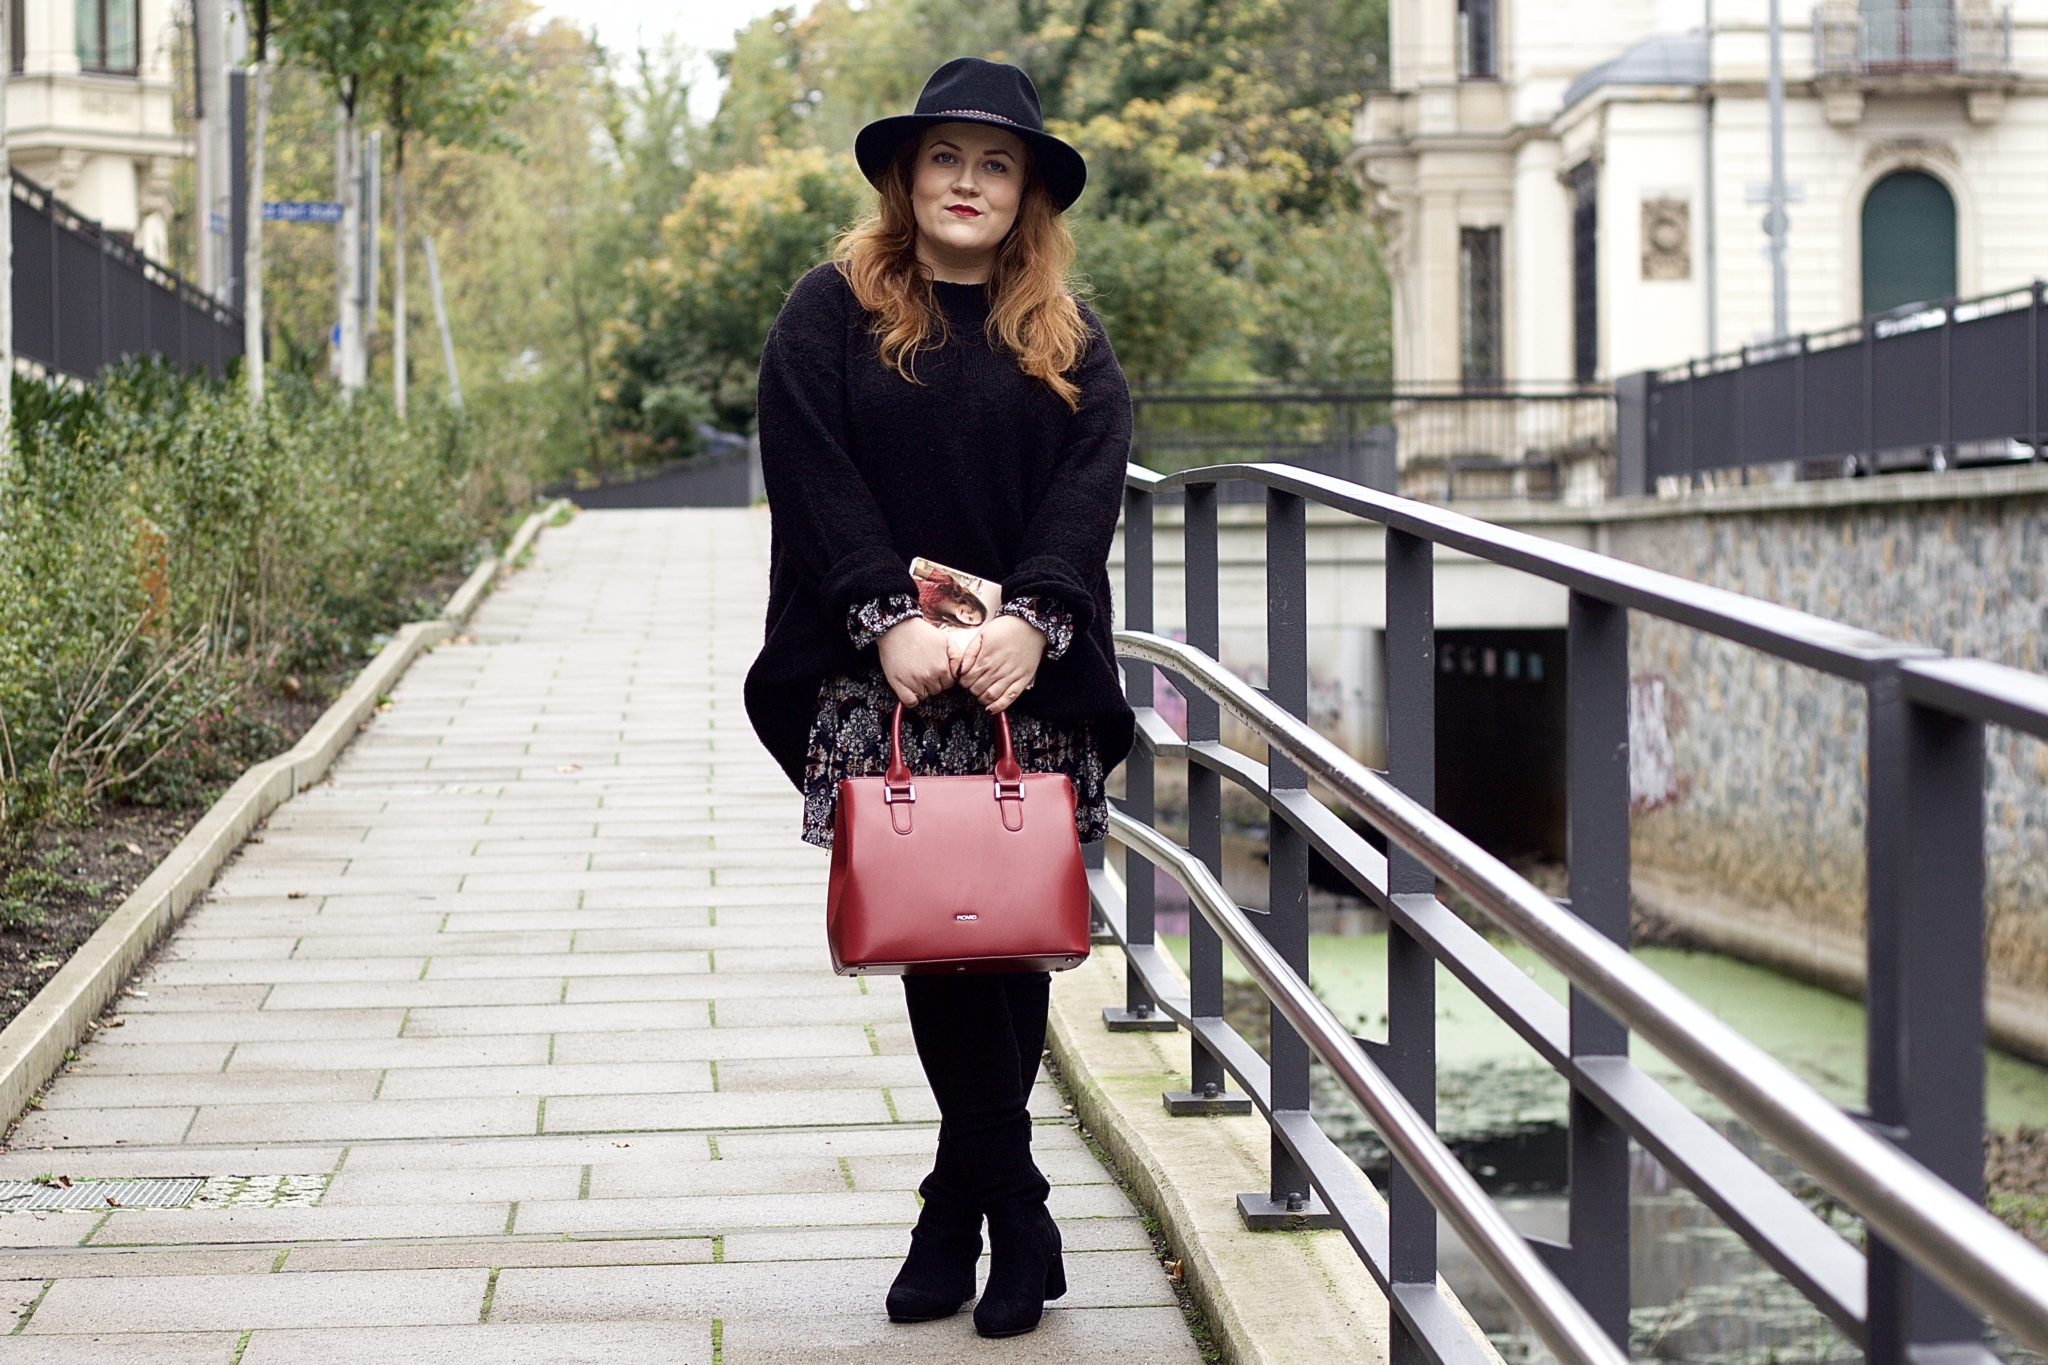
(903, 693)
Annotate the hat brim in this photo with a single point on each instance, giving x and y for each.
(1060, 168)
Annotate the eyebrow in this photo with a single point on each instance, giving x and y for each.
(987, 151)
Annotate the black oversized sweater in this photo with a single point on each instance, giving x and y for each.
(976, 465)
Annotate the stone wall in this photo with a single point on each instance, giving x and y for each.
(1749, 773)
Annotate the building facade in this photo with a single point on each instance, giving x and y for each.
(90, 109)
(1573, 190)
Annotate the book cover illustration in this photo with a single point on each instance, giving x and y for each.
(951, 599)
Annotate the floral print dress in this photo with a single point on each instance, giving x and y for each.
(944, 736)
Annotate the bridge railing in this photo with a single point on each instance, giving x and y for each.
(1911, 1165)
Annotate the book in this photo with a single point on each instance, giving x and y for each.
(954, 600)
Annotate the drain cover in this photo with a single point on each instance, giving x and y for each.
(18, 1196)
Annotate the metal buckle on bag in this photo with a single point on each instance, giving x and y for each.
(892, 795)
(1009, 791)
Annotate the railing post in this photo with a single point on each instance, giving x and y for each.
(2034, 367)
(1138, 1012)
(1410, 1058)
(1925, 986)
(1207, 1081)
(1948, 385)
(1596, 777)
(1289, 1201)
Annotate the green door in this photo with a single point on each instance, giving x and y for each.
(1909, 242)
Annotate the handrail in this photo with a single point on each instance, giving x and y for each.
(1973, 1254)
(1801, 637)
(1557, 1317)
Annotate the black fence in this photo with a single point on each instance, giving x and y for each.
(1451, 441)
(85, 298)
(727, 474)
(1930, 386)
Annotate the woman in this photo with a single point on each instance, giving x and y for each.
(936, 391)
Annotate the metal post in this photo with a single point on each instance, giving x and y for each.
(2034, 368)
(1799, 399)
(1925, 991)
(448, 341)
(1138, 1012)
(1596, 776)
(1870, 394)
(1776, 222)
(1947, 453)
(1410, 1058)
(1207, 1081)
(1289, 1202)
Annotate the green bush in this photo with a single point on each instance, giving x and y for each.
(167, 556)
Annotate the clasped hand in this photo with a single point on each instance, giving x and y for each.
(995, 662)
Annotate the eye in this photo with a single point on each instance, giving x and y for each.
(997, 167)
(943, 158)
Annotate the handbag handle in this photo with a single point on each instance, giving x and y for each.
(899, 791)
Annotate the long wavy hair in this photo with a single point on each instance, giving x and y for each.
(1031, 313)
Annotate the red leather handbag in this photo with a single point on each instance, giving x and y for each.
(956, 874)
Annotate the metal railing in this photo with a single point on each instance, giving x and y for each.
(1910, 1167)
(85, 298)
(1490, 436)
(1931, 385)
(1912, 37)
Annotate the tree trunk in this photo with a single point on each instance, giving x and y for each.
(252, 264)
(398, 373)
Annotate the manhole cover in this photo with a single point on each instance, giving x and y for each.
(18, 1196)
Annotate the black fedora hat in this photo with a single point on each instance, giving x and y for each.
(970, 90)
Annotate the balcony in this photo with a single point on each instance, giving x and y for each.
(1911, 38)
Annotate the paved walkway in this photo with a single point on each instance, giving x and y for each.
(516, 1041)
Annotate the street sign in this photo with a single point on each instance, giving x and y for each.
(301, 211)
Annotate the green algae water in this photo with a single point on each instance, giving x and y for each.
(1701, 1295)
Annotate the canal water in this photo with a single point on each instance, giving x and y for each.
(1701, 1296)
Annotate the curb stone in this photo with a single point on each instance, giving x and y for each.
(33, 1046)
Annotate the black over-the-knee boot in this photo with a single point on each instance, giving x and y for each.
(974, 1034)
(938, 1274)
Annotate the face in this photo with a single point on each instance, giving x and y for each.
(968, 182)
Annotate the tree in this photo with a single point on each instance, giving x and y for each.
(432, 84)
(688, 347)
(344, 41)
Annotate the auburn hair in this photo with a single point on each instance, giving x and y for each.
(1032, 315)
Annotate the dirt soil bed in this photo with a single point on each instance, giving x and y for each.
(85, 872)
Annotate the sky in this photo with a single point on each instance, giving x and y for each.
(704, 26)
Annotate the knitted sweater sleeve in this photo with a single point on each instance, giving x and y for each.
(1067, 539)
(823, 510)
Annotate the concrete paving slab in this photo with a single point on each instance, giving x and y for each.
(215, 1302)
(488, 1344)
(642, 1078)
(115, 1348)
(551, 1251)
(473, 1116)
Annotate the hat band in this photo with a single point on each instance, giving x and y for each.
(979, 113)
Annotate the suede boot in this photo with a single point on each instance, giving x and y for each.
(1024, 1268)
(938, 1274)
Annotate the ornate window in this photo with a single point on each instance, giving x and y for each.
(105, 30)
